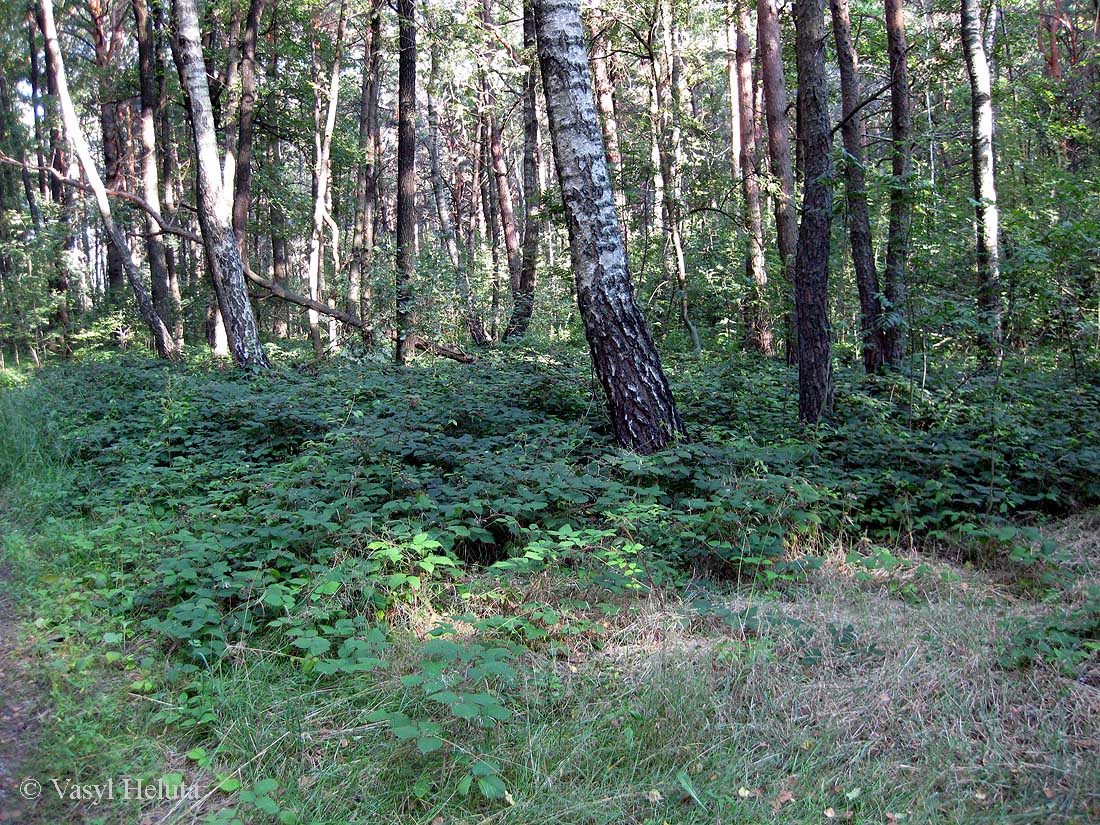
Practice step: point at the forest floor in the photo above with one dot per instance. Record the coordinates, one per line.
(307, 618)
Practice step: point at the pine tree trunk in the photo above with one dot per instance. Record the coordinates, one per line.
(852, 131)
(779, 149)
(214, 203)
(406, 180)
(811, 287)
(986, 215)
(901, 210)
(640, 403)
(242, 182)
(759, 325)
(605, 104)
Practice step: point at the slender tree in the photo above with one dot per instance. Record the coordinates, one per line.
(406, 179)
(640, 403)
(901, 210)
(811, 292)
(986, 215)
(852, 131)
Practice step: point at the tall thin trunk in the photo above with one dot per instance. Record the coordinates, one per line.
(986, 215)
(815, 362)
(280, 230)
(759, 325)
(161, 337)
(734, 116)
(532, 189)
(406, 180)
(322, 171)
(362, 239)
(36, 102)
(214, 203)
(640, 403)
(779, 148)
(154, 243)
(901, 210)
(242, 181)
(852, 131)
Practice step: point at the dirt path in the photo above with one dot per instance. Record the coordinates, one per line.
(21, 702)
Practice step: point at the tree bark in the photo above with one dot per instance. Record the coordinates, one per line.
(406, 180)
(360, 294)
(639, 400)
(901, 210)
(759, 325)
(815, 363)
(532, 190)
(214, 203)
(322, 172)
(242, 181)
(779, 148)
(986, 215)
(162, 339)
(872, 340)
(605, 104)
(163, 301)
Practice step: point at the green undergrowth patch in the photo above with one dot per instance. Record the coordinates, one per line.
(363, 593)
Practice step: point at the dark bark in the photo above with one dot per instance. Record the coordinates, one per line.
(901, 210)
(872, 339)
(406, 180)
(242, 183)
(639, 400)
(811, 292)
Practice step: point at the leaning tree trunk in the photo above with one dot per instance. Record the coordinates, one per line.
(779, 145)
(811, 285)
(855, 184)
(406, 180)
(985, 191)
(162, 338)
(901, 210)
(532, 200)
(640, 403)
(758, 329)
(222, 255)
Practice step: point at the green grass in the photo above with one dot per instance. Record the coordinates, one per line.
(650, 685)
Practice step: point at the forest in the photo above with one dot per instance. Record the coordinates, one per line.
(549, 411)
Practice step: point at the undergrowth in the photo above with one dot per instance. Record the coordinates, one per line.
(317, 577)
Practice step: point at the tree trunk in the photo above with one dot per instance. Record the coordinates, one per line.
(901, 210)
(779, 148)
(759, 325)
(360, 294)
(161, 337)
(214, 203)
(815, 362)
(322, 171)
(532, 190)
(242, 181)
(640, 403)
(166, 308)
(872, 341)
(406, 180)
(986, 215)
